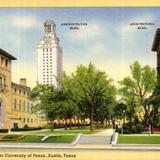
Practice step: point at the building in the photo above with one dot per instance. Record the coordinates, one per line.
(15, 105)
(49, 57)
(5, 88)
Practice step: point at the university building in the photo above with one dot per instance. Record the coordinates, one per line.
(49, 57)
(15, 105)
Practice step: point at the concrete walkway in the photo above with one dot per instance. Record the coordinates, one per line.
(100, 138)
(106, 132)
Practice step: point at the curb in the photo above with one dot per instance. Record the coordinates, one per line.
(77, 139)
(114, 138)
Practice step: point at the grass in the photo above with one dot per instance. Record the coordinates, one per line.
(30, 139)
(37, 139)
(123, 139)
(60, 139)
(56, 136)
(65, 132)
(155, 132)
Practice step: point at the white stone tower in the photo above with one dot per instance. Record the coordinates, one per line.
(49, 56)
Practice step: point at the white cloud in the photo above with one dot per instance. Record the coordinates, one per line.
(23, 21)
(97, 49)
(92, 30)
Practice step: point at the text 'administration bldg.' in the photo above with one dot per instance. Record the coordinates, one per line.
(49, 57)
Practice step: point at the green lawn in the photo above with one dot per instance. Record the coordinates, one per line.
(60, 139)
(123, 139)
(37, 139)
(64, 132)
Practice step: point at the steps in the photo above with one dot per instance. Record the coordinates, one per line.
(100, 140)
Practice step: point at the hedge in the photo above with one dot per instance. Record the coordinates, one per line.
(26, 129)
(3, 130)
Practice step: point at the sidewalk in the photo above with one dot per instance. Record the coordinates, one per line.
(106, 132)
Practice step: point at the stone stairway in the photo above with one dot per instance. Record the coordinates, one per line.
(99, 140)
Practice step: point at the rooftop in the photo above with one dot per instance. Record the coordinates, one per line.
(49, 22)
(4, 53)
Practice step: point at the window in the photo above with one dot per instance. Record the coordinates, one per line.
(20, 105)
(2, 60)
(6, 63)
(28, 120)
(19, 91)
(15, 90)
(28, 107)
(47, 49)
(48, 28)
(31, 108)
(24, 120)
(15, 105)
(24, 105)
(24, 93)
(2, 83)
(15, 125)
(50, 49)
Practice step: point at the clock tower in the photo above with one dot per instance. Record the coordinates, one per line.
(49, 57)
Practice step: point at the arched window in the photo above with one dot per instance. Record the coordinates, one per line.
(15, 105)
(24, 106)
(20, 105)
(28, 107)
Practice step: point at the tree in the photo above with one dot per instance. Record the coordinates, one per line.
(119, 110)
(47, 101)
(88, 89)
(136, 89)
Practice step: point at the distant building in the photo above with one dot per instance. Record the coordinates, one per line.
(49, 57)
(15, 105)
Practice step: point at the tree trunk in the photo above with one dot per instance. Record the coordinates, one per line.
(91, 119)
(65, 124)
(70, 124)
(103, 124)
(74, 121)
(52, 126)
(78, 121)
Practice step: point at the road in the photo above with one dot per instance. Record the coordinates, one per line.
(69, 154)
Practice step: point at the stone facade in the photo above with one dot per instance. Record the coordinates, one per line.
(15, 106)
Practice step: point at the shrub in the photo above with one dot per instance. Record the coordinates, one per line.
(131, 128)
(26, 129)
(3, 130)
(140, 128)
(25, 126)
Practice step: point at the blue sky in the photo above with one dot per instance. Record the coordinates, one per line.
(108, 40)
